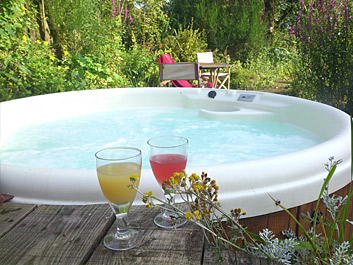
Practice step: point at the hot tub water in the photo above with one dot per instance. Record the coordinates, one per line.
(71, 143)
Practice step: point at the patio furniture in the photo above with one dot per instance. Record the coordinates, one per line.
(178, 73)
(205, 60)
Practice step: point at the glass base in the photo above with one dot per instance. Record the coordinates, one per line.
(165, 221)
(129, 240)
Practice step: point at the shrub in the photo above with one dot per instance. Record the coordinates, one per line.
(235, 26)
(262, 71)
(140, 65)
(324, 70)
(184, 45)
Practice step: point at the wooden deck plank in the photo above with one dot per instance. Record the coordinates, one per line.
(51, 234)
(183, 245)
(11, 214)
(234, 258)
(56, 235)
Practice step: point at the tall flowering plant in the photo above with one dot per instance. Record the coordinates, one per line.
(324, 37)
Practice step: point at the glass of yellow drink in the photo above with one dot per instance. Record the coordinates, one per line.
(116, 169)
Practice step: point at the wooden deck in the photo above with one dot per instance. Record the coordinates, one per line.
(57, 234)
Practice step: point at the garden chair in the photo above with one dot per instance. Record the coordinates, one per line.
(178, 73)
(207, 57)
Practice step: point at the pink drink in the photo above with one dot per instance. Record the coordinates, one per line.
(165, 165)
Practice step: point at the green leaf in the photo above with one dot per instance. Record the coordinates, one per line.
(13, 78)
(24, 69)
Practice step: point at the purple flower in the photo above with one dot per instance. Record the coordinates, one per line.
(126, 12)
(119, 11)
(298, 18)
(334, 21)
(346, 14)
(113, 12)
(130, 20)
(113, 2)
(263, 16)
(332, 2)
(294, 30)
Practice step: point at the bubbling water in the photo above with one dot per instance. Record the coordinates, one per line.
(71, 143)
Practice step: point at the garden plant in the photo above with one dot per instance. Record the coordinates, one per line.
(302, 48)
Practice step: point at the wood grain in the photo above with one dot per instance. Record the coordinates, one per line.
(56, 235)
(11, 214)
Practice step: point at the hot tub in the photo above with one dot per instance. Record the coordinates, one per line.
(294, 178)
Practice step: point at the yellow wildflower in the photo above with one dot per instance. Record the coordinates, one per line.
(133, 178)
(66, 53)
(189, 215)
(45, 42)
(38, 41)
(51, 58)
(193, 177)
(59, 66)
(196, 187)
(67, 68)
(24, 9)
(10, 84)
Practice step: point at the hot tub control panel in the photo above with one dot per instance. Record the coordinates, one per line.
(246, 97)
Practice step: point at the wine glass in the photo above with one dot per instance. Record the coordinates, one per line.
(167, 154)
(116, 167)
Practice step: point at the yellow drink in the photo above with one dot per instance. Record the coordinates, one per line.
(114, 180)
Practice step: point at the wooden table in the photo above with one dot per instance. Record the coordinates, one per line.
(214, 73)
(58, 234)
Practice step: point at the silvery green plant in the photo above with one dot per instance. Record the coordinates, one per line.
(312, 247)
(280, 250)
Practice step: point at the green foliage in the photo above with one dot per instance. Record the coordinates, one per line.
(262, 71)
(184, 45)
(141, 66)
(77, 25)
(150, 23)
(30, 66)
(236, 26)
(232, 26)
(324, 69)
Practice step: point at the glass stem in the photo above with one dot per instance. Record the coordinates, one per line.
(122, 231)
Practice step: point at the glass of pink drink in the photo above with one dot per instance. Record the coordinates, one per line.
(168, 154)
(116, 169)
